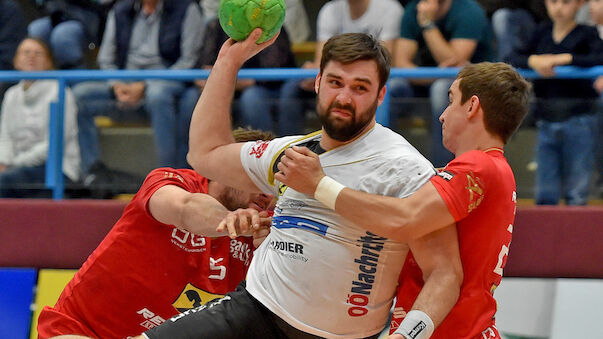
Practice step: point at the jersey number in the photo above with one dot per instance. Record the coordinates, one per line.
(214, 266)
(504, 251)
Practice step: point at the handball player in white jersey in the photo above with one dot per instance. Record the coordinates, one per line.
(317, 274)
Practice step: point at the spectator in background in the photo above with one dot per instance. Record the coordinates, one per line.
(69, 27)
(24, 126)
(296, 18)
(380, 19)
(12, 31)
(596, 16)
(142, 34)
(256, 99)
(565, 108)
(443, 33)
(513, 23)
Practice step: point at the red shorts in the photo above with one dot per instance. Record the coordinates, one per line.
(52, 323)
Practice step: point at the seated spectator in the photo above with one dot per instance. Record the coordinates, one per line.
(256, 99)
(596, 16)
(24, 126)
(12, 31)
(443, 33)
(565, 107)
(147, 34)
(69, 27)
(513, 23)
(378, 18)
(296, 19)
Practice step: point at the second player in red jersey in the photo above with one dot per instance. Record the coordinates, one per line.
(479, 189)
(147, 270)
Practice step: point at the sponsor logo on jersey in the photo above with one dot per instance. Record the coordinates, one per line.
(288, 249)
(167, 174)
(361, 289)
(445, 175)
(476, 192)
(259, 148)
(193, 297)
(188, 241)
(240, 250)
(150, 319)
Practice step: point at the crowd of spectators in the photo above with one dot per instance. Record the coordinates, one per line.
(169, 34)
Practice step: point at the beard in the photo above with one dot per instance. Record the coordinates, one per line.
(341, 130)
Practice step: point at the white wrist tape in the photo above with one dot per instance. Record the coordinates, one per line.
(327, 191)
(416, 325)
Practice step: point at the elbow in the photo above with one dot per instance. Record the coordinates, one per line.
(196, 160)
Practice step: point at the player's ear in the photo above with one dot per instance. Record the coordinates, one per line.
(474, 105)
(381, 94)
(317, 82)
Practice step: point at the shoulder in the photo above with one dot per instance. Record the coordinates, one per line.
(467, 9)
(479, 163)
(332, 7)
(390, 6)
(587, 30)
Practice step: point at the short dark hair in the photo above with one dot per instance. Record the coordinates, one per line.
(503, 94)
(349, 47)
(247, 134)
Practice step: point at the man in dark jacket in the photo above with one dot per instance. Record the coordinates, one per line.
(142, 34)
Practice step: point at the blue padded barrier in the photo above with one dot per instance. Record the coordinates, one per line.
(17, 286)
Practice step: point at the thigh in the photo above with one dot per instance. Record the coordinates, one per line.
(163, 87)
(237, 315)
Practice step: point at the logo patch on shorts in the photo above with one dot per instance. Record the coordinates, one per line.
(192, 297)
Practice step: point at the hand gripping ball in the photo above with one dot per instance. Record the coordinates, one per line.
(239, 17)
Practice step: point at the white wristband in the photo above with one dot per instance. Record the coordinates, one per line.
(416, 325)
(327, 191)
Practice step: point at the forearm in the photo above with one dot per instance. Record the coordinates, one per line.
(201, 215)
(437, 254)
(439, 294)
(440, 49)
(211, 123)
(398, 219)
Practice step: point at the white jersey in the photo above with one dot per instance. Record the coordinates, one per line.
(382, 19)
(317, 271)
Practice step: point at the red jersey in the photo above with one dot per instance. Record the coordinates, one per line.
(479, 190)
(145, 272)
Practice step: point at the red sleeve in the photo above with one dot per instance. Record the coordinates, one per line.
(186, 179)
(461, 183)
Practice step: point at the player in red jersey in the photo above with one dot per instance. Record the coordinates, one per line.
(476, 190)
(147, 269)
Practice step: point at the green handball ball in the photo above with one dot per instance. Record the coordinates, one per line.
(239, 17)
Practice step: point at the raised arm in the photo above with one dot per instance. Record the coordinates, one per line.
(212, 151)
(400, 219)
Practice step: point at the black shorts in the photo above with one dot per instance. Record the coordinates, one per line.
(237, 315)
